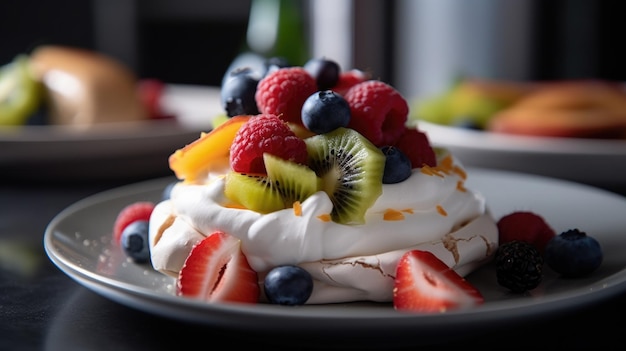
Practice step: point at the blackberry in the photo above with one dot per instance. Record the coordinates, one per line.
(519, 266)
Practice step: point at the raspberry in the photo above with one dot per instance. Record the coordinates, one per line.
(136, 211)
(525, 226)
(151, 92)
(416, 146)
(282, 93)
(265, 133)
(349, 79)
(378, 112)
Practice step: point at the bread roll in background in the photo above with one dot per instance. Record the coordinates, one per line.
(85, 87)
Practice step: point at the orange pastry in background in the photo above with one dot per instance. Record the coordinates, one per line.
(577, 109)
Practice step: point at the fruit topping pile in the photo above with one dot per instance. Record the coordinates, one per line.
(295, 131)
(347, 140)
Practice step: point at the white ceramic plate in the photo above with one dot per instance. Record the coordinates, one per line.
(590, 161)
(116, 150)
(78, 241)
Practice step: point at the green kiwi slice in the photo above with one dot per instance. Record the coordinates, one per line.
(286, 182)
(253, 191)
(20, 92)
(351, 169)
(295, 182)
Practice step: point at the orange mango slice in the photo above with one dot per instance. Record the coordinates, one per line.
(211, 150)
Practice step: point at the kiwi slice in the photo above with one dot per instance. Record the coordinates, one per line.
(20, 92)
(286, 182)
(295, 182)
(351, 169)
(253, 191)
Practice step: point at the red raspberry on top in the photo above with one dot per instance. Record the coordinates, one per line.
(378, 112)
(525, 226)
(415, 144)
(282, 93)
(349, 79)
(264, 133)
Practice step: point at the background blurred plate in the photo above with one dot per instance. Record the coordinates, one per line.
(596, 162)
(128, 151)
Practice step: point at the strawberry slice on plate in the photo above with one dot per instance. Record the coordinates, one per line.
(216, 270)
(426, 284)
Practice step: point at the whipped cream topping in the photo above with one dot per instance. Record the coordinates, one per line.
(431, 210)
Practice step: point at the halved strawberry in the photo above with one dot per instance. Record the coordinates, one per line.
(136, 211)
(217, 270)
(424, 283)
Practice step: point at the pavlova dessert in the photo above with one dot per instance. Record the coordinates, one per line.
(314, 190)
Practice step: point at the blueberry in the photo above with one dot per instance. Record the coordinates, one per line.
(573, 253)
(288, 285)
(255, 63)
(134, 241)
(397, 165)
(325, 71)
(325, 111)
(467, 122)
(276, 62)
(238, 92)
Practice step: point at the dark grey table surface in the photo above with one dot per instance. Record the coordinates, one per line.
(41, 308)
